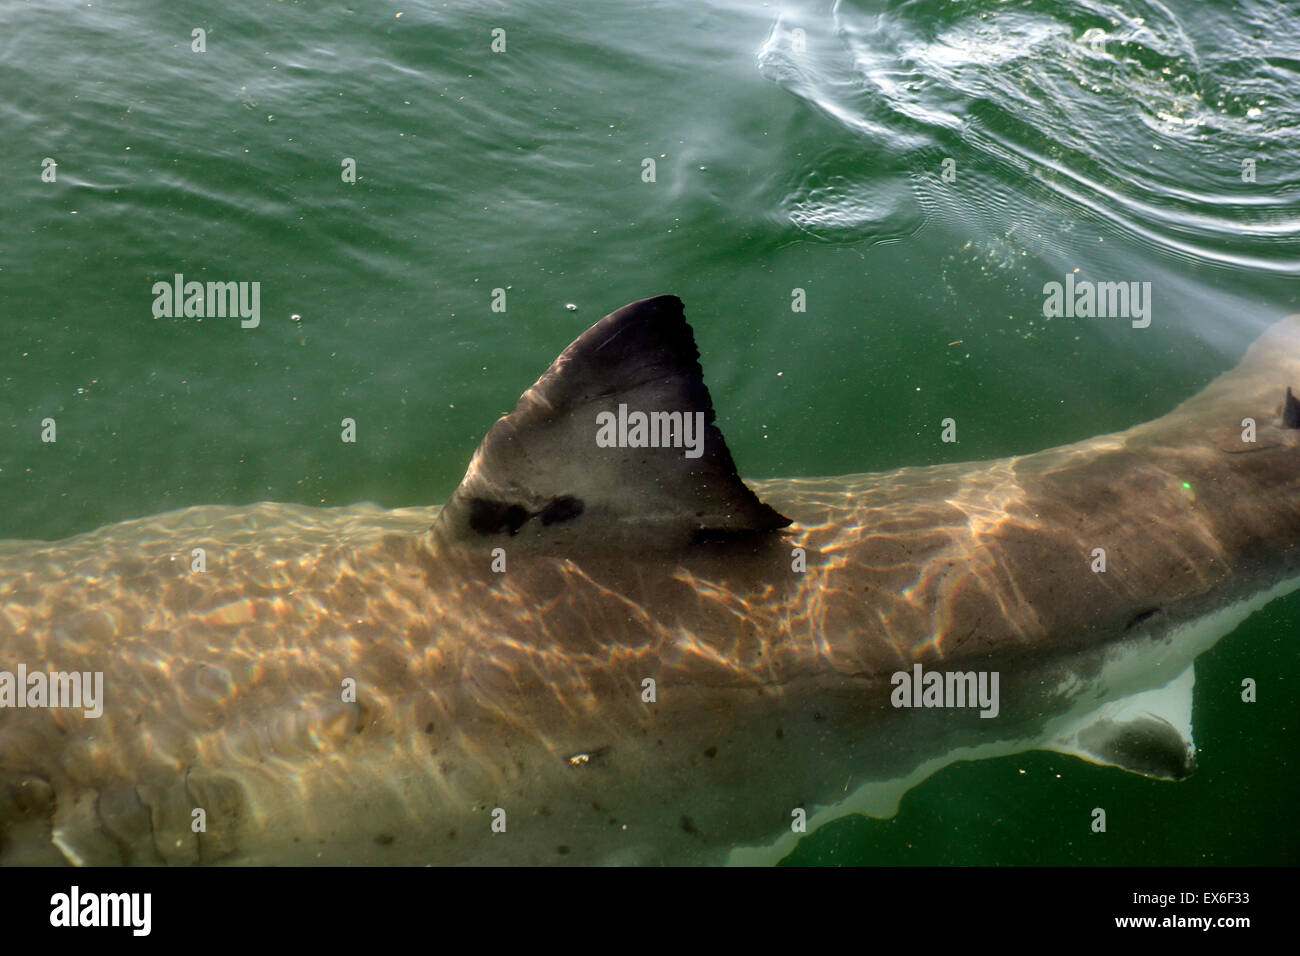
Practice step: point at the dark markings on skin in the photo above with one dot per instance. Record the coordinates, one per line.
(488, 517)
(24, 798)
(493, 517)
(565, 508)
(1290, 411)
(689, 826)
(123, 846)
(149, 819)
(1140, 617)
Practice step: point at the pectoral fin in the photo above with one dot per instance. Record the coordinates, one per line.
(1149, 733)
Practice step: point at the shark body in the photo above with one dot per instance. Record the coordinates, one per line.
(625, 654)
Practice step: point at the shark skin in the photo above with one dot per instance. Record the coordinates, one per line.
(501, 646)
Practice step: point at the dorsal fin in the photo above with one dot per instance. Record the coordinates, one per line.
(574, 465)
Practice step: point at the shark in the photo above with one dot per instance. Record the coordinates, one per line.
(608, 648)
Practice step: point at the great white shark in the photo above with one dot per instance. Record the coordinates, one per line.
(604, 649)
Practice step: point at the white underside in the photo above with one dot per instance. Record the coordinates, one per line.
(1137, 679)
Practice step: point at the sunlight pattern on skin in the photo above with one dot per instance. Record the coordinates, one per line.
(224, 686)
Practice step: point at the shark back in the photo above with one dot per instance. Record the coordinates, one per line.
(606, 647)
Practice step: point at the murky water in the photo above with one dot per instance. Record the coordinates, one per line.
(920, 169)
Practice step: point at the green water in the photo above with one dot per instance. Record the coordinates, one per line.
(1103, 137)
